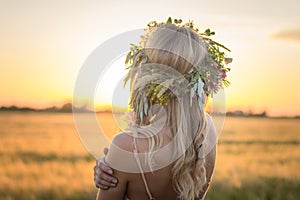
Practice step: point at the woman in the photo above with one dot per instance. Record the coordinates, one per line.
(169, 150)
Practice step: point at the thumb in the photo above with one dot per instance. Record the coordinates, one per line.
(105, 151)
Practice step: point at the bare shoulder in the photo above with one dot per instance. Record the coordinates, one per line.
(120, 155)
(208, 118)
(117, 158)
(123, 141)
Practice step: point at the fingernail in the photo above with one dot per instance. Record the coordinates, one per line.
(114, 181)
(110, 171)
(113, 185)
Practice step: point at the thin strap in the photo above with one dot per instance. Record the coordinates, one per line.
(135, 153)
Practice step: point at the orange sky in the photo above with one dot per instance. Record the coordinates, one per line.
(44, 43)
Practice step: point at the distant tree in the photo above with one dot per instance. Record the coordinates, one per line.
(66, 107)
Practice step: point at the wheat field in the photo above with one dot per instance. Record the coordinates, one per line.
(42, 157)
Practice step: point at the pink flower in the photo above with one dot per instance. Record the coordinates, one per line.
(224, 74)
(196, 96)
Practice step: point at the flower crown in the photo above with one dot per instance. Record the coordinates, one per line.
(210, 77)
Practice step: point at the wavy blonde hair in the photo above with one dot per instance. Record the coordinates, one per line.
(186, 121)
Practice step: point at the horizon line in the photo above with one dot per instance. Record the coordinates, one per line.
(68, 107)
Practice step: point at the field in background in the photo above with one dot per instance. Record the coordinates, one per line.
(42, 157)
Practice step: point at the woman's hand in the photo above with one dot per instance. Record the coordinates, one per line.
(103, 178)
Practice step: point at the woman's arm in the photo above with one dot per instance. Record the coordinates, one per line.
(117, 193)
(103, 178)
(124, 142)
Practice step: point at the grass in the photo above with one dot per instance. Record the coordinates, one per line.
(42, 157)
(265, 188)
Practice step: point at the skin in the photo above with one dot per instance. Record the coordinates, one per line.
(127, 181)
(131, 184)
(103, 174)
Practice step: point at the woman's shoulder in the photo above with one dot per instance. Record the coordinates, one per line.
(211, 126)
(123, 141)
(207, 116)
(120, 155)
(210, 137)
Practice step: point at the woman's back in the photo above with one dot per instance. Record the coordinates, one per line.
(159, 182)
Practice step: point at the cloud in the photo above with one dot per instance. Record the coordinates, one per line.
(288, 34)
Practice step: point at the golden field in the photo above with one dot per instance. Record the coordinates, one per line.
(42, 157)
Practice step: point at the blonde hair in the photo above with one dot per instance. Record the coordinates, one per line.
(181, 49)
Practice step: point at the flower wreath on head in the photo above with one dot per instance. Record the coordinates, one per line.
(208, 78)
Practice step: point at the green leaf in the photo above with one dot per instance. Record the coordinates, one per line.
(207, 32)
(169, 21)
(128, 57)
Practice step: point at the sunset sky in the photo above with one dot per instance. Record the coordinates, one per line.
(43, 44)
